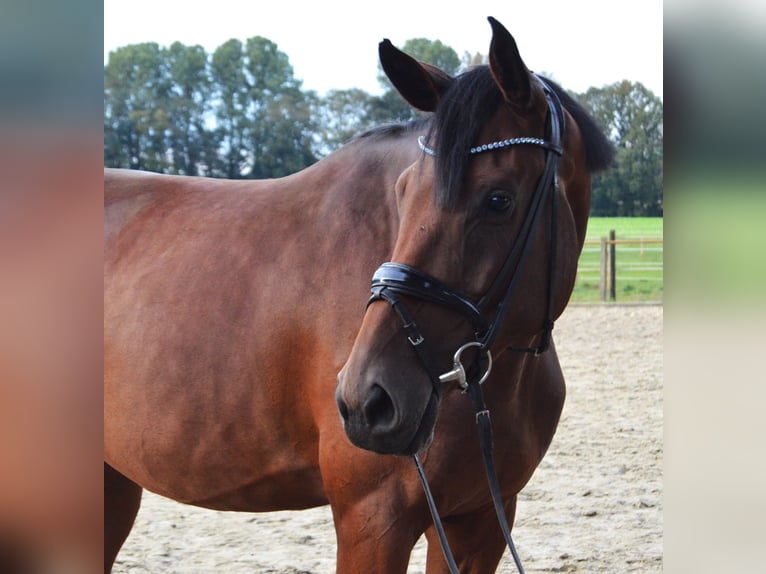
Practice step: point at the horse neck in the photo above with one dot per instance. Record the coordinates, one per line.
(359, 181)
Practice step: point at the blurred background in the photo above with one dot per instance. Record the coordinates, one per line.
(715, 86)
(51, 290)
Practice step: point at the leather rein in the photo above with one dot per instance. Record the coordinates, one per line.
(392, 280)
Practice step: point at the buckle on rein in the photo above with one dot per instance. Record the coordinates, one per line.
(458, 372)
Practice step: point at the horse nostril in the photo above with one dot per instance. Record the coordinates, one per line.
(379, 409)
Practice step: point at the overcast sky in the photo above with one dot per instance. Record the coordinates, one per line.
(332, 44)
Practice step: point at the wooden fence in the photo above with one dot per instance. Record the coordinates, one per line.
(624, 269)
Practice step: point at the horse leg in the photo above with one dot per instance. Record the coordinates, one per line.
(476, 541)
(122, 498)
(374, 542)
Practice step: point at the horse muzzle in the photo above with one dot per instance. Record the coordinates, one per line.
(379, 420)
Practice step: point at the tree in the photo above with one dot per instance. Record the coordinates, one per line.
(264, 122)
(341, 115)
(230, 90)
(631, 116)
(240, 112)
(136, 89)
(471, 60)
(191, 146)
(279, 125)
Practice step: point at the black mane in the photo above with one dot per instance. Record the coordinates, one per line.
(394, 129)
(599, 152)
(464, 110)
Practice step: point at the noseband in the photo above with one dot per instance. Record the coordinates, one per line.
(394, 279)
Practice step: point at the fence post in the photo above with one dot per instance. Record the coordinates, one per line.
(602, 281)
(612, 266)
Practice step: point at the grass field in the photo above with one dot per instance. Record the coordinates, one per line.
(639, 264)
(624, 227)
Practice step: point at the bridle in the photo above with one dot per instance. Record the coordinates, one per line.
(392, 280)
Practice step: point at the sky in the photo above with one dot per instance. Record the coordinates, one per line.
(332, 44)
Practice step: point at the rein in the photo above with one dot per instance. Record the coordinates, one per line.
(393, 279)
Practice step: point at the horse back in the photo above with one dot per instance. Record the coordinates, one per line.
(127, 193)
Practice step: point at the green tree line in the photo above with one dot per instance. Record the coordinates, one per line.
(241, 113)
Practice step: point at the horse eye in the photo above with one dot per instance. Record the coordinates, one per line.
(499, 202)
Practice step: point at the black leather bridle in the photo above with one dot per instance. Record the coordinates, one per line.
(393, 280)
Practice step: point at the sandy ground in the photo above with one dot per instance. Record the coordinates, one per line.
(594, 504)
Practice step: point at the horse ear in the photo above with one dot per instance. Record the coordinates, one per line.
(421, 84)
(509, 71)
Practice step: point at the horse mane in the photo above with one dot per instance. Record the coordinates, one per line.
(393, 130)
(468, 105)
(599, 152)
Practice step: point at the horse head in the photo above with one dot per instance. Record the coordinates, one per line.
(492, 218)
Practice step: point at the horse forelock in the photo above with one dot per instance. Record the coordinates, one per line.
(465, 108)
(468, 106)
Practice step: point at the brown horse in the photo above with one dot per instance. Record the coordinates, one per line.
(231, 307)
